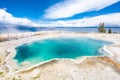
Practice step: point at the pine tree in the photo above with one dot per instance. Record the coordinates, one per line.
(110, 30)
(101, 28)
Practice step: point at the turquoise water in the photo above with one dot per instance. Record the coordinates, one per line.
(48, 49)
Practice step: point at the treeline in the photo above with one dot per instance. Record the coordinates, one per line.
(102, 29)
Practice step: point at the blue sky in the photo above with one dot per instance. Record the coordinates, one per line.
(32, 9)
(65, 13)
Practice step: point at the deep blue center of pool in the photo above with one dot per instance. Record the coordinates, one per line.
(48, 49)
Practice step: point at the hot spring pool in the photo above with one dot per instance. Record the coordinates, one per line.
(47, 49)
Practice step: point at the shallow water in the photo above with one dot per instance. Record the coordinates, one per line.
(48, 49)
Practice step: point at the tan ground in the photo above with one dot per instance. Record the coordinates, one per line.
(91, 68)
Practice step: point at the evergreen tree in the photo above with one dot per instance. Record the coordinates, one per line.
(110, 30)
(101, 28)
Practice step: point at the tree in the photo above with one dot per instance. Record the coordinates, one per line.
(101, 28)
(110, 30)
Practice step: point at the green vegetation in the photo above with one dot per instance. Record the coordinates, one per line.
(1, 73)
(0, 59)
(110, 30)
(101, 28)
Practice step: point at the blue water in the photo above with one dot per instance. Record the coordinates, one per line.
(48, 49)
(69, 29)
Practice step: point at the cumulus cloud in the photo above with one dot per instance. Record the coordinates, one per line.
(69, 8)
(108, 19)
(8, 19)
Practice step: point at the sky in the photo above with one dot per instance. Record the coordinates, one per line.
(59, 13)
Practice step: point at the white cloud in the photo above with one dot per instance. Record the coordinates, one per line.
(69, 8)
(9, 19)
(108, 19)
